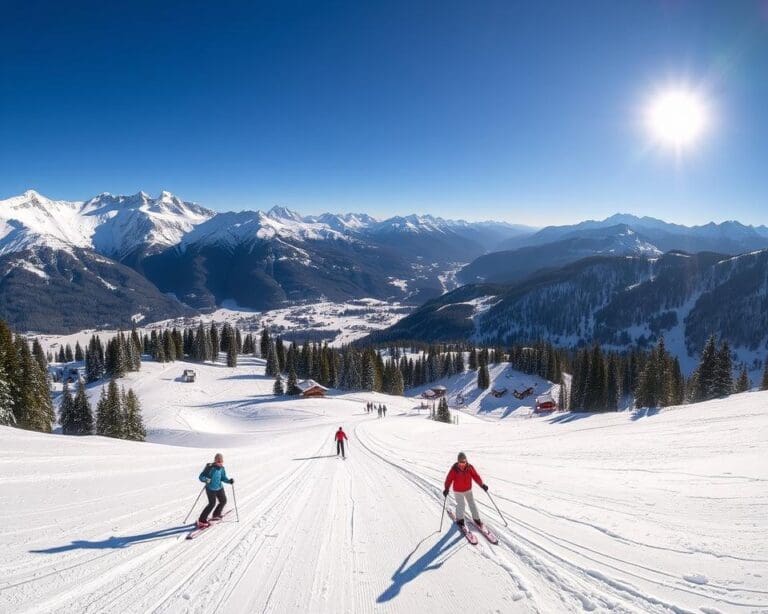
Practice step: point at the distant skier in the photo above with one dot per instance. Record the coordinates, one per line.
(379, 410)
(461, 476)
(384, 410)
(215, 476)
(340, 437)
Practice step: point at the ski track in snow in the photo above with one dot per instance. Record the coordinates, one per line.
(612, 512)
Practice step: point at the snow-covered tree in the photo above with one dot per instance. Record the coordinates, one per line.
(133, 425)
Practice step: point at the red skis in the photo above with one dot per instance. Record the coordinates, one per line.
(486, 533)
(197, 531)
(471, 537)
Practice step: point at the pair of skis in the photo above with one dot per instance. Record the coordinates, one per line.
(198, 530)
(470, 535)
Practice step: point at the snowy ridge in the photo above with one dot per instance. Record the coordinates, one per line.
(116, 226)
(111, 225)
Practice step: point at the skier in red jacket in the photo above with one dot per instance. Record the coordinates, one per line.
(340, 437)
(461, 476)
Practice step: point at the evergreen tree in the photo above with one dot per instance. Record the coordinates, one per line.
(764, 385)
(133, 424)
(109, 414)
(68, 355)
(8, 365)
(83, 423)
(67, 414)
(215, 342)
(231, 351)
(61, 356)
(280, 353)
(292, 388)
(483, 377)
(675, 386)
(443, 413)
(278, 388)
(265, 343)
(743, 384)
(32, 405)
(723, 382)
(707, 372)
(39, 354)
(271, 369)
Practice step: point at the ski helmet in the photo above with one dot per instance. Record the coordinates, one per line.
(461, 457)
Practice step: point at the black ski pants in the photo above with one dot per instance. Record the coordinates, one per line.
(213, 497)
(340, 447)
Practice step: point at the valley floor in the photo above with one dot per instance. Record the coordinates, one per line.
(627, 512)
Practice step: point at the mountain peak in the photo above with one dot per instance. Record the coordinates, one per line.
(284, 213)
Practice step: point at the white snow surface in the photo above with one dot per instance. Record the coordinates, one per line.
(624, 512)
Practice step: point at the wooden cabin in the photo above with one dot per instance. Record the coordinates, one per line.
(310, 388)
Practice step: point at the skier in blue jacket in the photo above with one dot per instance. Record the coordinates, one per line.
(214, 476)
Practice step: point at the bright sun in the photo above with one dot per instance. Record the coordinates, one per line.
(677, 118)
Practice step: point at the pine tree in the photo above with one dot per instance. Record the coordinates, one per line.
(67, 414)
(83, 424)
(764, 385)
(68, 355)
(39, 354)
(271, 369)
(232, 352)
(109, 414)
(723, 383)
(278, 387)
(79, 355)
(8, 365)
(265, 343)
(133, 424)
(292, 387)
(707, 372)
(443, 413)
(215, 343)
(32, 406)
(483, 377)
(743, 384)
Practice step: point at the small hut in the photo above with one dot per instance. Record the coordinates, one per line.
(188, 375)
(310, 388)
(438, 391)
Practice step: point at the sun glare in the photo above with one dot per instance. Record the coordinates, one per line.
(677, 118)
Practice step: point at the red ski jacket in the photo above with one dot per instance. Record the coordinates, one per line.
(462, 478)
(340, 435)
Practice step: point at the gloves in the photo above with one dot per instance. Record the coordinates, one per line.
(485, 487)
(232, 481)
(207, 480)
(445, 492)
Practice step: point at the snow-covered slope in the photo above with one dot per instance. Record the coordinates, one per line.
(653, 512)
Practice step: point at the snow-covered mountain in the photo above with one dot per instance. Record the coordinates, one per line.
(618, 301)
(729, 237)
(115, 226)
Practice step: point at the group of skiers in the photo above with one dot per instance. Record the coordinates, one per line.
(381, 409)
(460, 477)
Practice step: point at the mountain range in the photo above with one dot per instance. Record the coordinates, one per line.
(193, 258)
(68, 265)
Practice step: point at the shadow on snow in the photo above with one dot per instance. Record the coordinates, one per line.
(426, 562)
(118, 541)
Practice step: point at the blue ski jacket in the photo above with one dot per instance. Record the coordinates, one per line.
(214, 476)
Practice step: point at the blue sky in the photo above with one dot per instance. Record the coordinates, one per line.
(528, 112)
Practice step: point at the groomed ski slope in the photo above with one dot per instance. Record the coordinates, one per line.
(621, 512)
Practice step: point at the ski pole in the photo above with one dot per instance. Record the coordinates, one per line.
(234, 498)
(497, 509)
(194, 504)
(442, 516)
